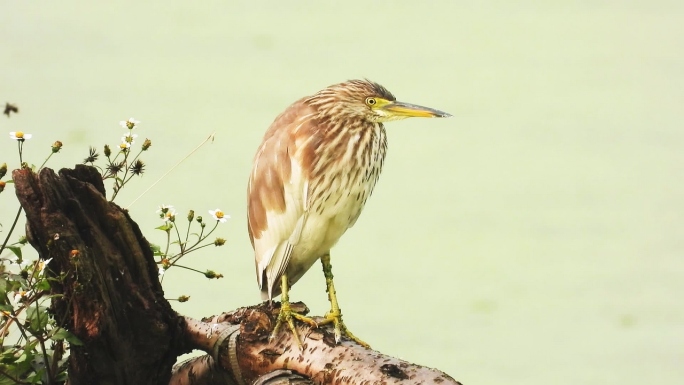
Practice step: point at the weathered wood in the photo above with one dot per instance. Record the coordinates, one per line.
(111, 296)
(320, 360)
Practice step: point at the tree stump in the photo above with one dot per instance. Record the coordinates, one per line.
(110, 297)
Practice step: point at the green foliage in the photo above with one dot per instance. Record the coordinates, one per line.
(63, 334)
(34, 349)
(187, 243)
(121, 166)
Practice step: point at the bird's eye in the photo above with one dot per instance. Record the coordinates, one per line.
(370, 101)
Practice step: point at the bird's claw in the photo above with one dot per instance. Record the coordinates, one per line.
(287, 315)
(339, 328)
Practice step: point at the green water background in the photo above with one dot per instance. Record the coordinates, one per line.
(534, 238)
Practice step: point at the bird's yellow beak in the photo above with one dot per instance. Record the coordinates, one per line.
(412, 110)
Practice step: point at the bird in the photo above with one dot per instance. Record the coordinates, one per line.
(317, 165)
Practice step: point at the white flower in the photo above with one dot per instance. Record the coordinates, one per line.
(20, 295)
(14, 259)
(164, 208)
(43, 264)
(167, 213)
(219, 215)
(129, 124)
(18, 135)
(125, 146)
(129, 138)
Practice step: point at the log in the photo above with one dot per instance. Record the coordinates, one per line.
(320, 359)
(110, 297)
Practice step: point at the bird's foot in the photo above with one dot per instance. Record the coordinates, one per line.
(287, 315)
(339, 328)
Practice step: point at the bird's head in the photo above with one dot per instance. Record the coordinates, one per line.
(368, 100)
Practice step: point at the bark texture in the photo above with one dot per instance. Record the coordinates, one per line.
(322, 361)
(111, 298)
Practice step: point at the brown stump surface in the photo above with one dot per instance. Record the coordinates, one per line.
(320, 359)
(112, 299)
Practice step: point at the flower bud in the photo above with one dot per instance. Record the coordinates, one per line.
(56, 147)
(212, 274)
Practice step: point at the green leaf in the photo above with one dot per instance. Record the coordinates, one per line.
(63, 334)
(36, 377)
(27, 356)
(43, 284)
(9, 356)
(16, 282)
(16, 370)
(37, 318)
(61, 377)
(31, 346)
(16, 250)
(165, 227)
(46, 297)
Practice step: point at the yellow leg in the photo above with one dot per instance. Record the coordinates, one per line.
(286, 314)
(334, 316)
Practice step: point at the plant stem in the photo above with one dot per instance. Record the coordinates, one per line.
(21, 147)
(41, 341)
(14, 224)
(46, 160)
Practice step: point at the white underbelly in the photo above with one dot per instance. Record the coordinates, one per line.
(336, 203)
(322, 231)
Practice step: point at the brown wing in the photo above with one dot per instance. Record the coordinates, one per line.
(276, 198)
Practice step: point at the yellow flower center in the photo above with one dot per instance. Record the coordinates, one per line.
(219, 214)
(19, 134)
(123, 146)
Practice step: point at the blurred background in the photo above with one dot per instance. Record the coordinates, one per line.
(536, 237)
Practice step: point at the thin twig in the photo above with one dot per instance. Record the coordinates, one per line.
(211, 137)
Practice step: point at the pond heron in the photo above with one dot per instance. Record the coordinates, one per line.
(315, 169)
